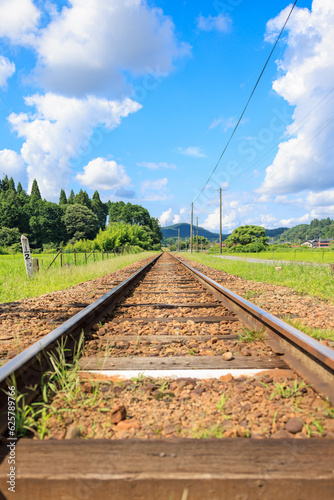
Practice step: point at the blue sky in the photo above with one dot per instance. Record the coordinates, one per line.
(138, 99)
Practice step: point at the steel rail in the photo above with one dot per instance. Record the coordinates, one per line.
(28, 366)
(313, 361)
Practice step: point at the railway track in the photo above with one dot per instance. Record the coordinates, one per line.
(169, 355)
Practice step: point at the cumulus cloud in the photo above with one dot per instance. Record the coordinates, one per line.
(90, 45)
(157, 185)
(18, 20)
(166, 217)
(294, 221)
(222, 23)
(170, 217)
(7, 69)
(57, 129)
(156, 166)
(11, 163)
(323, 199)
(305, 161)
(104, 175)
(149, 190)
(180, 216)
(193, 151)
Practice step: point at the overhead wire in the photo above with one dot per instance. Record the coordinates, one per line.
(247, 103)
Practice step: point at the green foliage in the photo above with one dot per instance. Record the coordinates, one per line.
(80, 222)
(9, 236)
(100, 210)
(121, 234)
(62, 198)
(302, 232)
(73, 219)
(246, 235)
(35, 192)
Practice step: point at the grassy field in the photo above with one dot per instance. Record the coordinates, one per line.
(299, 255)
(15, 285)
(313, 280)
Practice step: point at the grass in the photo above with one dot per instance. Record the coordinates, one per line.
(248, 335)
(215, 431)
(15, 285)
(62, 379)
(321, 255)
(305, 279)
(316, 333)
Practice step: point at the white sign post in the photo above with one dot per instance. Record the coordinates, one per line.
(27, 256)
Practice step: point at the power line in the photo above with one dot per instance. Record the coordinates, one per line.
(249, 99)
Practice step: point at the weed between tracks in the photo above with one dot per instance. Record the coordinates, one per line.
(73, 406)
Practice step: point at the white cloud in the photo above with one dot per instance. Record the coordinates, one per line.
(156, 166)
(56, 131)
(193, 151)
(89, 46)
(169, 217)
(18, 20)
(166, 218)
(180, 216)
(7, 69)
(323, 199)
(157, 185)
(305, 161)
(149, 190)
(222, 23)
(103, 174)
(294, 221)
(11, 163)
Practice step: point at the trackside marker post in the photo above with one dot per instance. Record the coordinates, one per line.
(27, 256)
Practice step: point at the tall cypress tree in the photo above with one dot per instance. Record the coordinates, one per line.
(71, 198)
(62, 198)
(99, 209)
(19, 188)
(35, 192)
(83, 199)
(11, 184)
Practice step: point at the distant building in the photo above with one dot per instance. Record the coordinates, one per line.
(317, 243)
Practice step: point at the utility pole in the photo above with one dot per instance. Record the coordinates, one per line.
(197, 235)
(178, 240)
(220, 220)
(191, 228)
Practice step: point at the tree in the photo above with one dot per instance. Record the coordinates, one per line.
(19, 188)
(99, 210)
(62, 198)
(244, 235)
(35, 192)
(9, 236)
(83, 199)
(80, 222)
(71, 198)
(11, 184)
(46, 225)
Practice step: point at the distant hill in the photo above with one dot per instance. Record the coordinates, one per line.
(273, 233)
(172, 232)
(297, 234)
